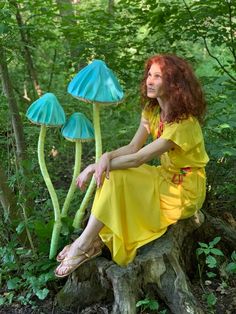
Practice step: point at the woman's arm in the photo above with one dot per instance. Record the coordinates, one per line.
(154, 149)
(103, 165)
(139, 139)
(145, 154)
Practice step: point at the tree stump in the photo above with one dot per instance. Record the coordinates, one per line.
(158, 269)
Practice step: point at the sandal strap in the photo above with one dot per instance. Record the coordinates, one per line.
(67, 259)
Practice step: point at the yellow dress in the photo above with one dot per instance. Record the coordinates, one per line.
(137, 205)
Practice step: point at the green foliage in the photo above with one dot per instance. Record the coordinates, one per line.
(149, 304)
(23, 276)
(209, 252)
(231, 267)
(212, 260)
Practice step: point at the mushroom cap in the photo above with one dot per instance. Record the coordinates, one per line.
(47, 111)
(96, 83)
(78, 128)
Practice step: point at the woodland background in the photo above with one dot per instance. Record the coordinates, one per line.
(43, 44)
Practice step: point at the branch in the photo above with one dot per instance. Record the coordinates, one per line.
(206, 45)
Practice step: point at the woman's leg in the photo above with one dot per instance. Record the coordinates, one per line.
(85, 243)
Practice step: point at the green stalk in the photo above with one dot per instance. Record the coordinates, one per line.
(27, 228)
(78, 151)
(97, 131)
(51, 190)
(80, 212)
(98, 144)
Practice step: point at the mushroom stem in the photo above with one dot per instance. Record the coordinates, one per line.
(98, 143)
(97, 130)
(51, 190)
(78, 152)
(80, 212)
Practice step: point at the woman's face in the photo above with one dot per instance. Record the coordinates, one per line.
(154, 82)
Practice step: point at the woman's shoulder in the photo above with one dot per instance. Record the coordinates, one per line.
(190, 121)
(150, 111)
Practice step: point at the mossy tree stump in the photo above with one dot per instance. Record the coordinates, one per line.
(158, 270)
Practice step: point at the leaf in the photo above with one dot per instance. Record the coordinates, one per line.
(211, 274)
(211, 261)
(203, 244)
(199, 251)
(13, 283)
(2, 300)
(233, 256)
(153, 305)
(231, 267)
(211, 299)
(20, 228)
(142, 302)
(214, 241)
(217, 252)
(42, 294)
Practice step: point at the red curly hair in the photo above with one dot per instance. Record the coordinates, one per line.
(184, 93)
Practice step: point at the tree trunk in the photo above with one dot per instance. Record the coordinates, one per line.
(111, 5)
(7, 197)
(68, 18)
(21, 150)
(15, 115)
(158, 271)
(27, 54)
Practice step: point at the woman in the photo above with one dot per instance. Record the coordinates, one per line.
(135, 203)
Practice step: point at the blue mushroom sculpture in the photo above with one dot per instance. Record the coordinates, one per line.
(77, 129)
(47, 112)
(95, 84)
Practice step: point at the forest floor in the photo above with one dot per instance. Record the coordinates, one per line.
(226, 303)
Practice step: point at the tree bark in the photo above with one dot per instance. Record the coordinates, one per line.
(7, 197)
(21, 149)
(15, 115)
(27, 54)
(68, 18)
(157, 271)
(111, 5)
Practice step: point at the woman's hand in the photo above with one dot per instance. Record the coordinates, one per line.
(101, 167)
(84, 177)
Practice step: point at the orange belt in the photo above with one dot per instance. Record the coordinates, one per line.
(179, 177)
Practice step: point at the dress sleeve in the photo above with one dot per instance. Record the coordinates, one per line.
(185, 133)
(145, 120)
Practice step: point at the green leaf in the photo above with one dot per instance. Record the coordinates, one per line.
(211, 274)
(211, 261)
(214, 241)
(216, 252)
(20, 228)
(13, 283)
(203, 244)
(2, 300)
(199, 251)
(42, 294)
(233, 256)
(142, 302)
(211, 299)
(231, 267)
(153, 305)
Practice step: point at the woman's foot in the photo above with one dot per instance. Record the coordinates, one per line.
(76, 255)
(63, 253)
(60, 257)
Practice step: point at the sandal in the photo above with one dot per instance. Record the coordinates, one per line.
(73, 267)
(61, 256)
